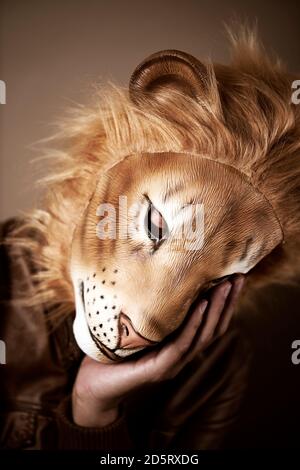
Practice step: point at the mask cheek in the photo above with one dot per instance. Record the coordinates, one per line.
(82, 334)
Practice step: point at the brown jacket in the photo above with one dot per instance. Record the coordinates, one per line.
(192, 411)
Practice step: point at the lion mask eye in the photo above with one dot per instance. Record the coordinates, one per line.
(156, 226)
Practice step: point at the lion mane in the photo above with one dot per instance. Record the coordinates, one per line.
(245, 118)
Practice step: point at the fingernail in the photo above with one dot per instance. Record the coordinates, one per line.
(203, 305)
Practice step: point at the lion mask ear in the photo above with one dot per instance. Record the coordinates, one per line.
(173, 70)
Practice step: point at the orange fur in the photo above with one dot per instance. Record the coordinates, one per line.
(245, 120)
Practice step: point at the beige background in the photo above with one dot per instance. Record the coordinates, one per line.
(51, 52)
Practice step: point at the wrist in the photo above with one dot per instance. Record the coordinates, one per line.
(89, 415)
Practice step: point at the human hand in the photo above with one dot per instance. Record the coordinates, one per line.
(100, 388)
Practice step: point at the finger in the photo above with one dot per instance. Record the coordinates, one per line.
(182, 341)
(217, 303)
(237, 286)
(169, 356)
(224, 319)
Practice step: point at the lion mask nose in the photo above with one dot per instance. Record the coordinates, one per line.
(129, 338)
